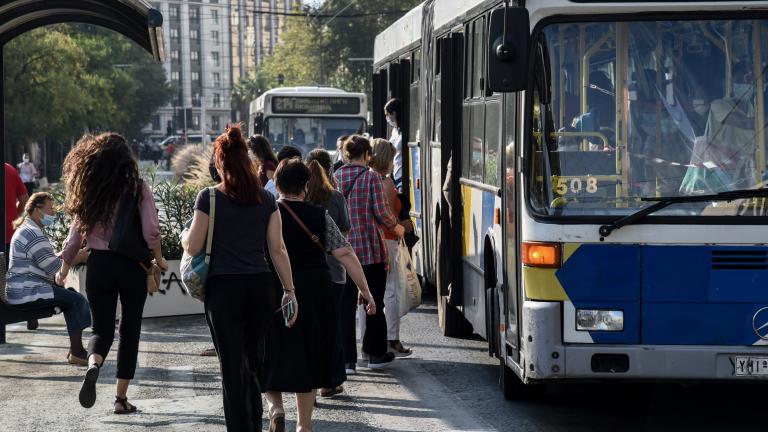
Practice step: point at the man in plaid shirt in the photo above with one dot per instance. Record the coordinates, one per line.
(368, 211)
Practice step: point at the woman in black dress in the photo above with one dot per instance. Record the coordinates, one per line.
(298, 359)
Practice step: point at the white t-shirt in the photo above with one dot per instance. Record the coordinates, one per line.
(397, 174)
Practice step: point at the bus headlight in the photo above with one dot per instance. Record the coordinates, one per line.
(599, 320)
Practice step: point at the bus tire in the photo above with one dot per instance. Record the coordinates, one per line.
(451, 320)
(513, 388)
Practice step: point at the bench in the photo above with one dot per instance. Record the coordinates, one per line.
(11, 314)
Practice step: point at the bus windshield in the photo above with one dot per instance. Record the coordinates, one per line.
(308, 133)
(626, 110)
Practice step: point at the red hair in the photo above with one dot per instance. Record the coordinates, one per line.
(240, 181)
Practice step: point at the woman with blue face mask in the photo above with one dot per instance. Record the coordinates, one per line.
(33, 266)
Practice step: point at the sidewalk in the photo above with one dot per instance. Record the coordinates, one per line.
(177, 389)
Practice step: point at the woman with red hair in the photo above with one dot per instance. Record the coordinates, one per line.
(239, 295)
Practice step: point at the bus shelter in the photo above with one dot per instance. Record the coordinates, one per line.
(136, 19)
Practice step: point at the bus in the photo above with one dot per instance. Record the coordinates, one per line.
(308, 117)
(589, 179)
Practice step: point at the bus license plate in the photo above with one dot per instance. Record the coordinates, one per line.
(751, 366)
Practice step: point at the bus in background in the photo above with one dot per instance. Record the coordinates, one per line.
(603, 217)
(308, 117)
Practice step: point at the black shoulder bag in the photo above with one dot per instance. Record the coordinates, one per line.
(127, 236)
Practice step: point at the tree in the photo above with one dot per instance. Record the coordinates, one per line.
(63, 80)
(317, 49)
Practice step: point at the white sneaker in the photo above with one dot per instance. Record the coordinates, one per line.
(381, 362)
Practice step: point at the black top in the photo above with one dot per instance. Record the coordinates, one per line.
(302, 251)
(239, 233)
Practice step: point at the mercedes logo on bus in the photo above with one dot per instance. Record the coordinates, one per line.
(760, 323)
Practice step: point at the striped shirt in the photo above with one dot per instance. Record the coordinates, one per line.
(368, 209)
(33, 265)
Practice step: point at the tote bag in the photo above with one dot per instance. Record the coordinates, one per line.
(194, 269)
(408, 283)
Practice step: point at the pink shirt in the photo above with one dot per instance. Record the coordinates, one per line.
(98, 238)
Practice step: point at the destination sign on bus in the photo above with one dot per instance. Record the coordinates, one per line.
(315, 105)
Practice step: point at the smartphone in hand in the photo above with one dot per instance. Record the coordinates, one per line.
(288, 314)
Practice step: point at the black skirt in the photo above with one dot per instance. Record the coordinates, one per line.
(301, 358)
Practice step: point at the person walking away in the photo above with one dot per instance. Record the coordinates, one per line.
(382, 162)
(261, 150)
(28, 172)
(299, 359)
(368, 209)
(16, 197)
(320, 191)
(99, 173)
(170, 149)
(240, 299)
(33, 267)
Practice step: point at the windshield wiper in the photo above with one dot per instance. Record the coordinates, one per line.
(661, 202)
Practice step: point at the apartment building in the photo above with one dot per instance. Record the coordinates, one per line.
(256, 29)
(198, 65)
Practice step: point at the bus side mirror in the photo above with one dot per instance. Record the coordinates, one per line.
(258, 124)
(508, 49)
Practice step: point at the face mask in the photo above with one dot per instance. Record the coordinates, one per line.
(48, 220)
(25, 159)
(391, 121)
(700, 107)
(743, 91)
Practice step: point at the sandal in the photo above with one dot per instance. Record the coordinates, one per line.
(88, 388)
(331, 392)
(76, 361)
(277, 423)
(122, 406)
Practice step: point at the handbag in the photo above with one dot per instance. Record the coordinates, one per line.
(128, 240)
(194, 269)
(315, 239)
(409, 286)
(153, 277)
(127, 237)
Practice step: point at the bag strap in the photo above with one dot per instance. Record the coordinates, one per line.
(209, 240)
(354, 182)
(315, 239)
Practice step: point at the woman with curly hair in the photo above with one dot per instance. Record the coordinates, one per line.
(99, 173)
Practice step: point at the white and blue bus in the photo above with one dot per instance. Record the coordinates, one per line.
(604, 214)
(308, 117)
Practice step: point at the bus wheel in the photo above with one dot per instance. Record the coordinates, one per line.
(513, 388)
(451, 320)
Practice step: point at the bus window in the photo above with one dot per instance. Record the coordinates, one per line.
(492, 142)
(648, 109)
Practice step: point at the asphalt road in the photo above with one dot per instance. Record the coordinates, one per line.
(447, 385)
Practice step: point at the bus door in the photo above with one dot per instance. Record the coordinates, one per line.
(510, 228)
(413, 187)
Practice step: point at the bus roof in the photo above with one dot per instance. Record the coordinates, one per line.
(406, 31)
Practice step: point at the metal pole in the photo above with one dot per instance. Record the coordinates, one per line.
(2, 140)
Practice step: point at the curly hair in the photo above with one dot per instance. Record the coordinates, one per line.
(97, 173)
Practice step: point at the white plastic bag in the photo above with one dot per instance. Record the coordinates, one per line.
(410, 288)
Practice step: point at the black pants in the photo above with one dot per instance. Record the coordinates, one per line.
(375, 337)
(348, 329)
(108, 276)
(239, 311)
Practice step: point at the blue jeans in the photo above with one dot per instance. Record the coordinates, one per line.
(75, 307)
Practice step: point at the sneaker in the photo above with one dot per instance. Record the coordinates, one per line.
(351, 368)
(396, 347)
(381, 362)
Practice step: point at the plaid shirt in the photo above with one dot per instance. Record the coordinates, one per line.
(368, 209)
